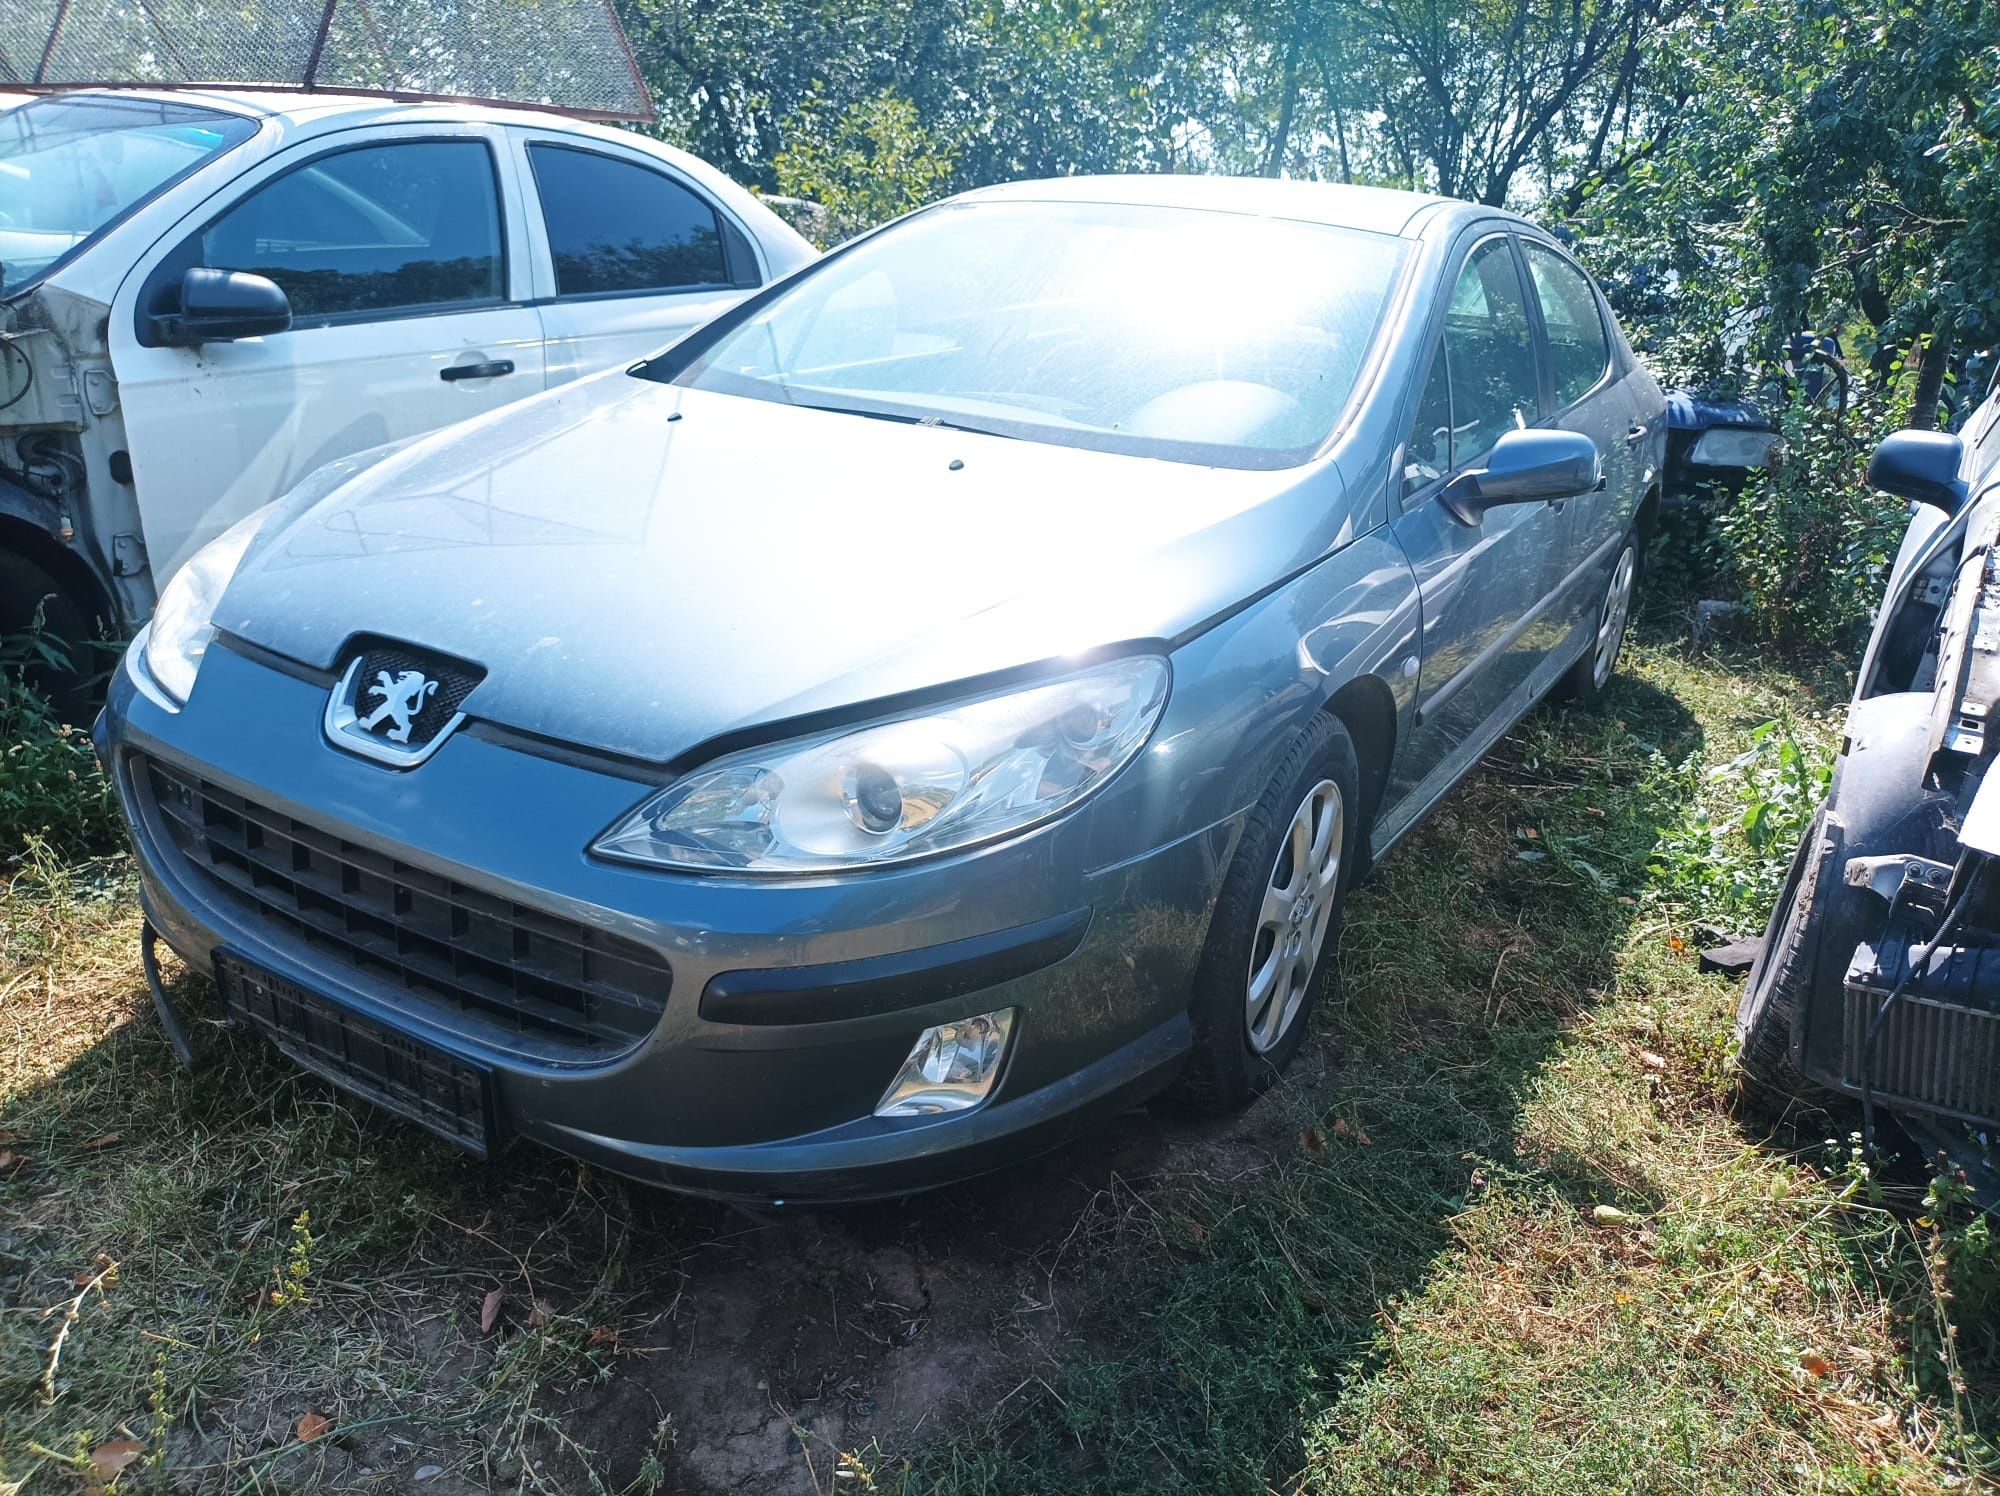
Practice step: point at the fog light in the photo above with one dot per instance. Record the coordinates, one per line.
(951, 1068)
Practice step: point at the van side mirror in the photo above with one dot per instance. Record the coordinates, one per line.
(1920, 465)
(1523, 467)
(219, 306)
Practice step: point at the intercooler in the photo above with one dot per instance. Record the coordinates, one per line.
(1938, 1050)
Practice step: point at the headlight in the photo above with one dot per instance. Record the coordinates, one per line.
(905, 788)
(1724, 447)
(182, 624)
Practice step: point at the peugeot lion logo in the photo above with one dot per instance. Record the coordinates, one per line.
(403, 696)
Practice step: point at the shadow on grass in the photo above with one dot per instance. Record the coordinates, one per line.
(1164, 1305)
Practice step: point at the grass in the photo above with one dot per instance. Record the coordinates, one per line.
(1506, 1229)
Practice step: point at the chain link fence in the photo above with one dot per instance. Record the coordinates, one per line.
(560, 54)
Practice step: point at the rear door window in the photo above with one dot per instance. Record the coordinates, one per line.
(1579, 349)
(618, 227)
(376, 230)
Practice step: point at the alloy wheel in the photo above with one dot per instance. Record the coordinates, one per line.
(1299, 898)
(1612, 620)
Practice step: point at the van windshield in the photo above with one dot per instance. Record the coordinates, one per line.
(69, 167)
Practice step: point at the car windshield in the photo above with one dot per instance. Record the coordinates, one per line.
(70, 166)
(1188, 334)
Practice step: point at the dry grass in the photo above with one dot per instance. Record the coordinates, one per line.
(1505, 1229)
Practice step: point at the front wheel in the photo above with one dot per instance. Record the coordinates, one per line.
(1276, 920)
(35, 607)
(1590, 678)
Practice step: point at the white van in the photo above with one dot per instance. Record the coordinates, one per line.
(205, 295)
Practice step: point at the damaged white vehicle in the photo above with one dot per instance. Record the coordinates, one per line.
(1880, 975)
(205, 295)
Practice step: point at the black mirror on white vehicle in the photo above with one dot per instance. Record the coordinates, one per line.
(1920, 465)
(1524, 467)
(218, 306)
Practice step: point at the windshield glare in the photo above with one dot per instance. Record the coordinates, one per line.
(1188, 334)
(69, 166)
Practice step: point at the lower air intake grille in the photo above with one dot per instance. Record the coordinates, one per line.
(557, 984)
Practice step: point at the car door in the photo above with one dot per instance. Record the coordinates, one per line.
(631, 256)
(400, 253)
(1484, 588)
(1588, 398)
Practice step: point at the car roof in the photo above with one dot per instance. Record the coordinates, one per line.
(1380, 210)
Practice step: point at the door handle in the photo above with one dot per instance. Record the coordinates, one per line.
(491, 370)
(1634, 435)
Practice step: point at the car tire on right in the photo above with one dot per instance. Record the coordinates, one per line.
(1276, 921)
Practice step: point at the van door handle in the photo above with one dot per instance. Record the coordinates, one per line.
(1634, 435)
(492, 370)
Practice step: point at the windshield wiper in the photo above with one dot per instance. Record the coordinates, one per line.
(903, 417)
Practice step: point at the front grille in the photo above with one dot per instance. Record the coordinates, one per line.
(557, 984)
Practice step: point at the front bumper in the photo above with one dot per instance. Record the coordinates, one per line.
(791, 1004)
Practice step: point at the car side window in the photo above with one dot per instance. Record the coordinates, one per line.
(1495, 386)
(381, 228)
(617, 226)
(1427, 453)
(1579, 349)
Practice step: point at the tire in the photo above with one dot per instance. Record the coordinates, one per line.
(1589, 679)
(1781, 980)
(26, 592)
(1243, 1043)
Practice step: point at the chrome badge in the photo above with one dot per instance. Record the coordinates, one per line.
(402, 697)
(396, 704)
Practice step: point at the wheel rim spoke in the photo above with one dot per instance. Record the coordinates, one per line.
(1295, 915)
(1263, 983)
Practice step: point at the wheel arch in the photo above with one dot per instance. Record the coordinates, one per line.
(1366, 707)
(1647, 521)
(30, 528)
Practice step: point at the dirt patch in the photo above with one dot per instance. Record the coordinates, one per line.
(791, 1338)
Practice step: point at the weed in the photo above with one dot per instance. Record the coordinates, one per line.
(52, 793)
(1726, 858)
(1808, 542)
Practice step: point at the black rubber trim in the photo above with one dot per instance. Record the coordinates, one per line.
(836, 990)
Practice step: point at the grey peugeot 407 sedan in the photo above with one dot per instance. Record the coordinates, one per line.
(946, 698)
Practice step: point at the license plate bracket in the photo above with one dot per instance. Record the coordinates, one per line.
(425, 1085)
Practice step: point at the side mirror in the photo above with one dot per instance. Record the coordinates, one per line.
(1920, 465)
(218, 306)
(1523, 467)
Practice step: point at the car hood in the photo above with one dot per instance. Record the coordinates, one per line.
(641, 568)
(1691, 410)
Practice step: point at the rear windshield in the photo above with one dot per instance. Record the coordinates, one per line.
(1197, 336)
(70, 167)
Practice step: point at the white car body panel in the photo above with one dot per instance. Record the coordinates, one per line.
(213, 432)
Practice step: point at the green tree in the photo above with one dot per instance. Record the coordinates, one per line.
(869, 163)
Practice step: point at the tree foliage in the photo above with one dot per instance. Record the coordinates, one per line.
(1735, 169)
